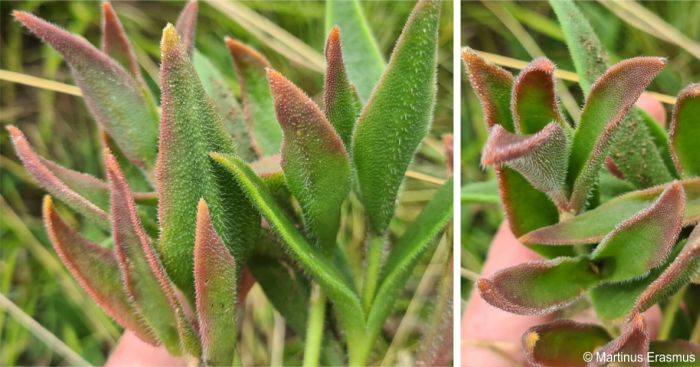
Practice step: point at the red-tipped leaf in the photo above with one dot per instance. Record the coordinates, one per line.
(340, 101)
(115, 42)
(186, 25)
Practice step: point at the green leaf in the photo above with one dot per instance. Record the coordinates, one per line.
(685, 131)
(408, 252)
(190, 129)
(609, 100)
(660, 138)
(85, 194)
(590, 59)
(143, 275)
(592, 226)
(186, 25)
(493, 85)
(562, 343)
(214, 83)
(216, 285)
(339, 291)
(258, 106)
(340, 100)
(539, 287)
(315, 163)
(96, 270)
(649, 235)
(397, 116)
(363, 58)
(541, 158)
(526, 208)
(113, 97)
(116, 44)
(534, 100)
(480, 193)
(683, 348)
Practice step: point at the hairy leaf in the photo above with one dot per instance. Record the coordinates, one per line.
(214, 83)
(534, 101)
(539, 287)
(634, 341)
(190, 129)
(397, 116)
(346, 301)
(96, 270)
(541, 158)
(526, 208)
(111, 94)
(364, 61)
(685, 131)
(592, 226)
(562, 343)
(258, 106)
(144, 278)
(407, 253)
(186, 25)
(649, 235)
(315, 163)
(216, 286)
(681, 271)
(340, 100)
(609, 100)
(116, 44)
(63, 183)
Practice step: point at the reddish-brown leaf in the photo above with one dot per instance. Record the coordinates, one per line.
(186, 25)
(115, 42)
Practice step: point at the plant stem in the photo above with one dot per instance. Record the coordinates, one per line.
(375, 247)
(670, 314)
(314, 330)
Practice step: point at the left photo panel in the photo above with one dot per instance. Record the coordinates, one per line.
(224, 183)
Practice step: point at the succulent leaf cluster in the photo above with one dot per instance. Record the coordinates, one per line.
(623, 254)
(256, 184)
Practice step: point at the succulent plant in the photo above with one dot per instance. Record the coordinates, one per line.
(619, 242)
(256, 187)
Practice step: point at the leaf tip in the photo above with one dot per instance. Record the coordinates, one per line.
(530, 340)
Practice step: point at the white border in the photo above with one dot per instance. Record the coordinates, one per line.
(457, 170)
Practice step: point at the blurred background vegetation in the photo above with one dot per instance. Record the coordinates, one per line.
(60, 128)
(527, 30)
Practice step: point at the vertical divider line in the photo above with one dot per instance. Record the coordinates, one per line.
(457, 171)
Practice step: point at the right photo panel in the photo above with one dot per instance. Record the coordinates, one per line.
(580, 199)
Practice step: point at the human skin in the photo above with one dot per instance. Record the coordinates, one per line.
(491, 336)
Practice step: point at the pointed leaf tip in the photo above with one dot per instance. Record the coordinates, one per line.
(186, 25)
(216, 288)
(340, 100)
(115, 42)
(650, 235)
(493, 85)
(96, 270)
(48, 175)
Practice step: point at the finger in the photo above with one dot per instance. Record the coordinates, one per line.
(132, 351)
(653, 107)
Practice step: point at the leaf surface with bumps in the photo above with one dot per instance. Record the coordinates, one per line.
(315, 164)
(340, 100)
(397, 116)
(190, 129)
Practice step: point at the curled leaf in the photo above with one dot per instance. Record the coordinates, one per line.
(541, 158)
(592, 226)
(144, 278)
(608, 102)
(111, 94)
(364, 60)
(115, 43)
(562, 343)
(539, 287)
(62, 182)
(258, 105)
(96, 270)
(493, 85)
(190, 129)
(534, 101)
(649, 235)
(216, 286)
(315, 163)
(186, 25)
(685, 131)
(397, 116)
(633, 343)
(340, 101)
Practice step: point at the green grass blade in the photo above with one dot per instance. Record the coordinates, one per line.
(397, 116)
(480, 193)
(363, 59)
